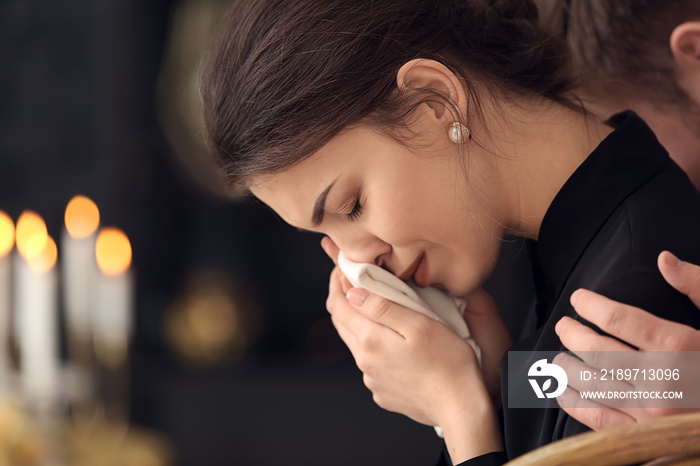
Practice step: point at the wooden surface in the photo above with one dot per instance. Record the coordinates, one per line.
(672, 436)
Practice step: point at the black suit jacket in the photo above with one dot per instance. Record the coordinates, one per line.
(604, 230)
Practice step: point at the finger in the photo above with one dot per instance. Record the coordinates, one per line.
(481, 312)
(355, 345)
(345, 284)
(481, 303)
(591, 414)
(330, 248)
(367, 340)
(491, 335)
(577, 337)
(345, 334)
(361, 335)
(584, 378)
(352, 318)
(335, 290)
(339, 283)
(683, 276)
(387, 313)
(631, 324)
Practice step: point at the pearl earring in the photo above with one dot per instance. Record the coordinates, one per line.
(459, 133)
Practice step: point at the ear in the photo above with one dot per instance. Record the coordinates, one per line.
(685, 48)
(434, 76)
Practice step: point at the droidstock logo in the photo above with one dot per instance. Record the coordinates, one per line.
(542, 370)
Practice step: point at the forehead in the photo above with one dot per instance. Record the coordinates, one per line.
(293, 192)
(288, 193)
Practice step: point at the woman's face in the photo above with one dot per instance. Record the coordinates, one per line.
(410, 209)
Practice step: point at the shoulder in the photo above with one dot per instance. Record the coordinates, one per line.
(644, 287)
(664, 213)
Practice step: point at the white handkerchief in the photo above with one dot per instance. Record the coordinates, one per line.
(429, 301)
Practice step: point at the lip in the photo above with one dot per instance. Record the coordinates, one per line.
(417, 270)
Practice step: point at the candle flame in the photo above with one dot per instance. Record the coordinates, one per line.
(31, 234)
(35, 246)
(113, 251)
(7, 234)
(82, 217)
(43, 260)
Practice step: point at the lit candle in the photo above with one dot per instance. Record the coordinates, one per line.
(78, 271)
(112, 320)
(31, 235)
(114, 294)
(7, 242)
(37, 312)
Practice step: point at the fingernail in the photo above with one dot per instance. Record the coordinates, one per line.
(671, 260)
(557, 327)
(324, 243)
(574, 297)
(357, 296)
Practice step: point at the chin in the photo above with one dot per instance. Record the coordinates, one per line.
(460, 289)
(456, 291)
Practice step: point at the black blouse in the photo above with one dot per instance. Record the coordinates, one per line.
(604, 230)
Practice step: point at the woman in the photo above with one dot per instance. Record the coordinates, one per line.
(415, 137)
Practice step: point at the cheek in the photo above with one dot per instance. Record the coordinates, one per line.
(399, 215)
(470, 271)
(473, 256)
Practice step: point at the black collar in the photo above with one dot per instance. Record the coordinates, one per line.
(623, 161)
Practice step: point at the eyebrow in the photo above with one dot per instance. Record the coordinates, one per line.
(319, 206)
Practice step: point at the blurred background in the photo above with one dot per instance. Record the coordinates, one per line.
(233, 357)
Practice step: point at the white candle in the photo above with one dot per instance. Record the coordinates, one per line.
(113, 306)
(37, 313)
(78, 265)
(112, 322)
(31, 234)
(7, 241)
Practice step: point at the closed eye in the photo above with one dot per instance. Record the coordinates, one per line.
(356, 211)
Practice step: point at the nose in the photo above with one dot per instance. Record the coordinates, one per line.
(364, 248)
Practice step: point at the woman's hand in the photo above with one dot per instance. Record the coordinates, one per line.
(634, 326)
(415, 366)
(491, 335)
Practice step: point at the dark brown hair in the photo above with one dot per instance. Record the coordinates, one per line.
(620, 48)
(282, 77)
